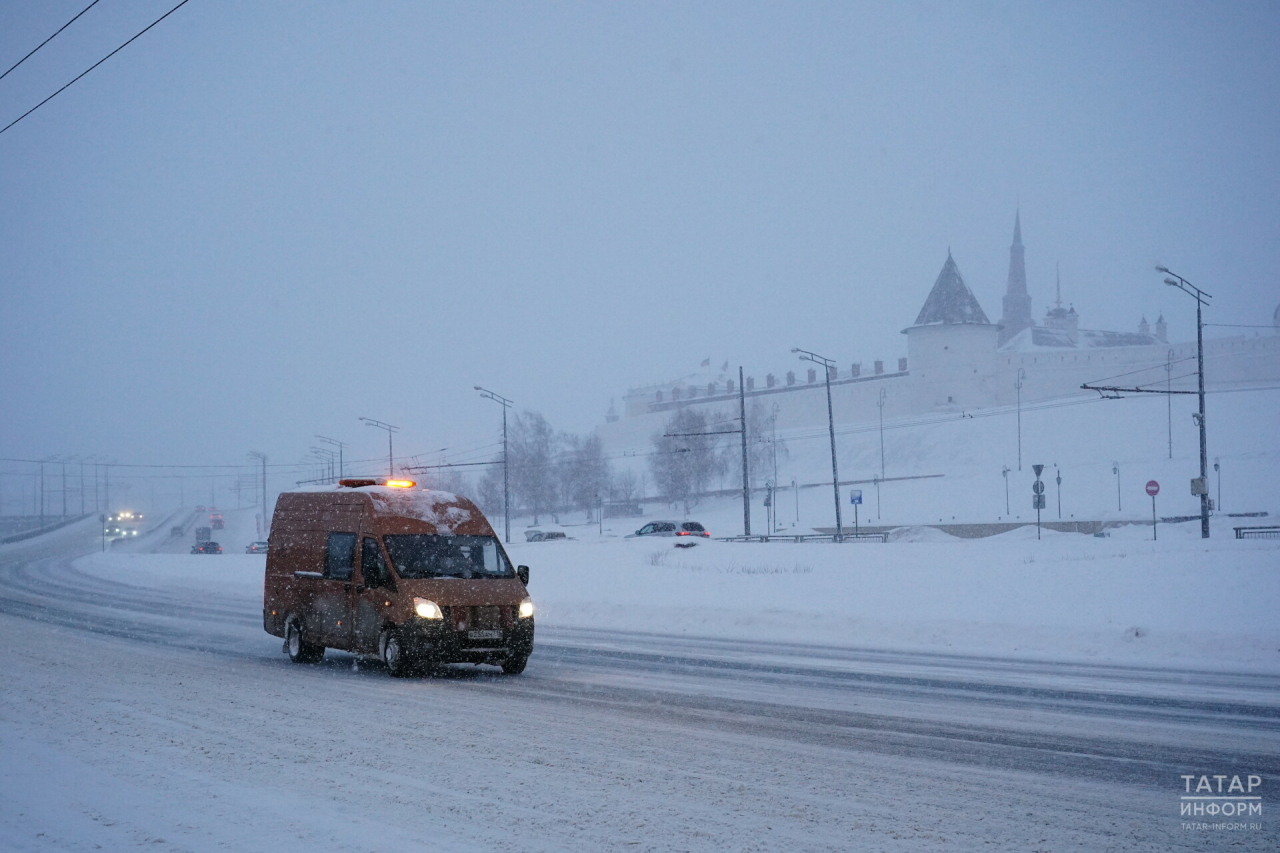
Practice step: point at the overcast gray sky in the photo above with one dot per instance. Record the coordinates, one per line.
(261, 221)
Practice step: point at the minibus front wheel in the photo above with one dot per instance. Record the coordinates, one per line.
(300, 651)
(394, 654)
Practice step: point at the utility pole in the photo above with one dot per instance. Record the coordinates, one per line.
(746, 482)
(391, 459)
(880, 404)
(827, 367)
(1017, 384)
(340, 445)
(1201, 486)
(262, 457)
(1168, 399)
(1218, 476)
(773, 525)
(506, 490)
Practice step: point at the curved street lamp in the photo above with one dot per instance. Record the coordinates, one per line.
(827, 367)
(1202, 299)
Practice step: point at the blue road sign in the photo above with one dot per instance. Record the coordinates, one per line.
(855, 496)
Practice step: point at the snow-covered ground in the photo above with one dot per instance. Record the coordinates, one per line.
(1004, 693)
(1179, 601)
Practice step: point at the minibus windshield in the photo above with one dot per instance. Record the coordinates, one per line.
(430, 555)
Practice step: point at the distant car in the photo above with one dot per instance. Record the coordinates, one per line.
(256, 548)
(200, 508)
(672, 528)
(206, 548)
(543, 536)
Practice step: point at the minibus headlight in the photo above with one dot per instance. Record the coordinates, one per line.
(427, 609)
(526, 608)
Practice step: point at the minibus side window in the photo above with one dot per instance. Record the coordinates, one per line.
(372, 564)
(340, 556)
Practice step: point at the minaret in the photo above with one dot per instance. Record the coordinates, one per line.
(1017, 303)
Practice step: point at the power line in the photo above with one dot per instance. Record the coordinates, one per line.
(93, 66)
(49, 39)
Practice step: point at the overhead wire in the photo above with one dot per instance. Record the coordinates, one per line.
(49, 39)
(94, 65)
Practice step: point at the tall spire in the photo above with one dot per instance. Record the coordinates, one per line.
(1017, 304)
(1057, 285)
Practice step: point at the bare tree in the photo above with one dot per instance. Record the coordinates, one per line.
(761, 444)
(584, 472)
(489, 490)
(685, 458)
(532, 446)
(625, 486)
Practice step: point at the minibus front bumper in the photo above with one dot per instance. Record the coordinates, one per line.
(437, 640)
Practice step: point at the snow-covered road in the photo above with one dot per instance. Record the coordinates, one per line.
(161, 716)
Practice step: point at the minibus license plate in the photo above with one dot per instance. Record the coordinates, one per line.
(484, 635)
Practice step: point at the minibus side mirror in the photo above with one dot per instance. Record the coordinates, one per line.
(522, 572)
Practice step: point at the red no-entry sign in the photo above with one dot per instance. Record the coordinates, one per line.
(1153, 488)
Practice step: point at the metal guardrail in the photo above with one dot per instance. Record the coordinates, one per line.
(48, 528)
(1257, 532)
(808, 537)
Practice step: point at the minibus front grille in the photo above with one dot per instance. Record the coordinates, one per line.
(481, 617)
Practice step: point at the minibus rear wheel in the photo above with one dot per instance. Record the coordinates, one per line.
(300, 651)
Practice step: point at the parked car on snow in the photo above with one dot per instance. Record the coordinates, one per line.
(256, 548)
(206, 548)
(671, 528)
(543, 535)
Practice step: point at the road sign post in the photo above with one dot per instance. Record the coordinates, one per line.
(1153, 489)
(855, 498)
(1037, 489)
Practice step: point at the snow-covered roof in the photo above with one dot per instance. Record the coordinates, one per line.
(1040, 337)
(442, 509)
(951, 300)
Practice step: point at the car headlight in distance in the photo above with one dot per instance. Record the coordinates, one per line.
(427, 609)
(526, 608)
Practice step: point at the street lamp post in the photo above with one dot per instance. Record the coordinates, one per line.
(827, 367)
(1058, 477)
(1201, 298)
(340, 445)
(1017, 385)
(391, 459)
(327, 457)
(1115, 469)
(506, 498)
(1005, 471)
